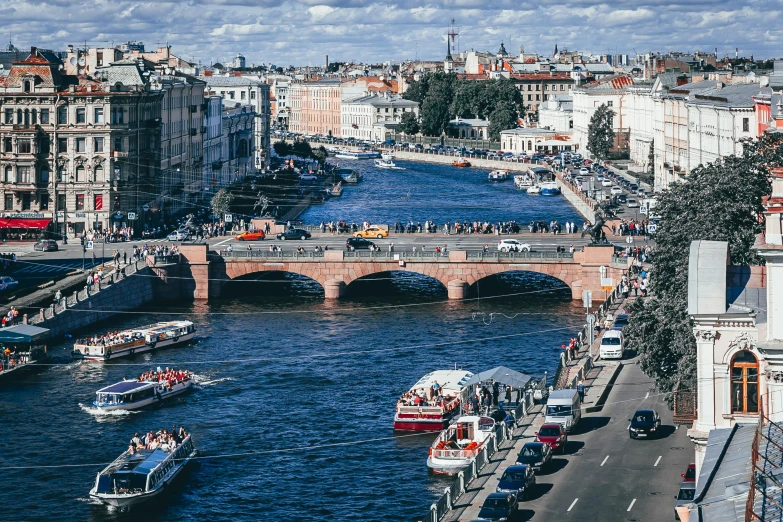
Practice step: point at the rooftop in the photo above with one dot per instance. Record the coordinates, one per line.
(738, 95)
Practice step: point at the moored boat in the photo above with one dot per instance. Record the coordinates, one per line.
(523, 181)
(386, 164)
(337, 190)
(426, 407)
(549, 188)
(459, 444)
(462, 162)
(353, 177)
(535, 189)
(128, 342)
(150, 388)
(22, 350)
(347, 154)
(387, 155)
(498, 175)
(143, 471)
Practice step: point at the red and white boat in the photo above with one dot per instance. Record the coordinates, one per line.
(459, 444)
(423, 409)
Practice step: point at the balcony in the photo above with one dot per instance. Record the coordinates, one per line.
(193, 132)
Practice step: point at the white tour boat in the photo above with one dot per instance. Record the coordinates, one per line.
(387, 164)
(498, 175)
(535, 189)
(523, 181)
(139, 476)
(132, 395)
(549, 188)
(459, 444)
(138, 340)
(387, 155)
(416, 413)
(347, 154)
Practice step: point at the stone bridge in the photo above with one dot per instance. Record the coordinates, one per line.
(203, 273)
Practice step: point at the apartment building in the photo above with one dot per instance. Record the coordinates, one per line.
(360, 117)
(315, 107)
(537, 87)
(614, 93)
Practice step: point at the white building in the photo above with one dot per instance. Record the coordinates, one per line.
(246, 91)
(641, 110)
(718, 119)
(611, 91)
(557, 113)
(534, 140)
(359, 116)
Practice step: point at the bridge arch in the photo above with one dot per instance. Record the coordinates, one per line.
(268, 283)
(518, 282)
(414, 282)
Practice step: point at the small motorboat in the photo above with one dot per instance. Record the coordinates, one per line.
(462, 162)
(387, 155)
(414, 412)
(459, 444)
(353, 177)
(549, 188)
(535, 189)
(523, 181)
(386, 164)
(141, 474)
(336, 191)
(498, 175)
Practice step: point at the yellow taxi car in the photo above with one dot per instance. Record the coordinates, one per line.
(250, 235)
(372, 232)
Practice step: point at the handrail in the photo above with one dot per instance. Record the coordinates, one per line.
(397, 255)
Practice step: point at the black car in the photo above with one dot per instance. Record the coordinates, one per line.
(358, 243)
(499, 506)
(46, 245)
(622, 198)
(517, 479)
(537, 455)
(294, 233)
(620, 321)
(644, 423)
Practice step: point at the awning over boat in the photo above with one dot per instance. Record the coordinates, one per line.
(22, 333)
(24, 223)
(502, 375)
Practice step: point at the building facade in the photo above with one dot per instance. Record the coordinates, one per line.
(78, 153)
(240, 90)
(531, 141)
(614, 93)
(315, 108)
(237, 142)
(538, 87)
(557, 113)
(213, 144)
(359, 116)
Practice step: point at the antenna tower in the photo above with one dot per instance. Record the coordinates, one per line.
(453, 37)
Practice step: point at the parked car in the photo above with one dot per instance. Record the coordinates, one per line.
(308, 177)
(250, 235)
(684, 496)
(644, 423)
(605, 182)
(294, 233)
(535, 454)
(499, 506)
(633, 187)
(616, 190)
(553, 434)
(153, 233)
(518, 479)
(584, 171)
(622, 198)
(690, 473)
(178, 235)
(512, 245)
(620, 321)
(632, 203)
(372, 232)
(612, 345)
(358, 243)
(46, 245)
(8, 283)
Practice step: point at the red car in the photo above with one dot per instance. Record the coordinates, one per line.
(250, 235)
(690, 474)
(553, 434)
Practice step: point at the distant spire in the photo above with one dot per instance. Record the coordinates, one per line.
(555, 54)
(448, 49)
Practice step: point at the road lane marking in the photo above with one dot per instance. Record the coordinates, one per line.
(224, 242)
(648, 394)
(631, 506)
(604, 461)
(657, 461)
(572, 504)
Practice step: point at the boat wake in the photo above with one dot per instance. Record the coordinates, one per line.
(89, 500)
(210, 382)
(101, 413)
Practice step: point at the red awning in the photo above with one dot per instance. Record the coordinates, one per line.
(24, 223)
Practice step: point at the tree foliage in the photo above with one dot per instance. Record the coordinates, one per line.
(221, 202)
(281, 148)
(443, 97)
(719, 202)
(409, 123)
(600, 134)
(504, 117)
(320, 154)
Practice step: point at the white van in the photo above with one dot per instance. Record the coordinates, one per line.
(564, 408)
(612, 345)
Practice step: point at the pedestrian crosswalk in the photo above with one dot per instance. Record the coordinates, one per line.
(43, 268)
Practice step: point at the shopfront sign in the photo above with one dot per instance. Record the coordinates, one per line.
(23, 215)
(81, 214)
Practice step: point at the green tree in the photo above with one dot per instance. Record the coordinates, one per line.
(221, 202)
(600, 134)
(720, 202)
(504, 117)
(320, 154)
(409, 123)
(302, 149)
(281, 148)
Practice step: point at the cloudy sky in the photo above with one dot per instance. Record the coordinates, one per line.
(301, 32)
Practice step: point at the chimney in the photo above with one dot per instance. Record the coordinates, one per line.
(736, 52)
(327, 62)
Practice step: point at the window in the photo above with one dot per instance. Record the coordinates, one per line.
(79, 201)
(529, 87)
(9, 202)
(80, 173)
(745, 124)
(562, 87)
(27, 86)
(62, 115)
(24, 146)
(26, 201)
(231, 95)
(81, 115)
(34, 117)
(98, 114)
(44, 179)
(610, 104)
(252, 95)
(9, 116)
(81, 144)
(118, 144)
(23, 175)
(98, 173)
(538, 87)
(43, 147)
(538, 97)
(9, 175)
(242, 95)
(44, 116)
(44, 201)
(529, 97)
(62, 144)
(744, 383)
(8, 144)
(98, 145)
(60, 202)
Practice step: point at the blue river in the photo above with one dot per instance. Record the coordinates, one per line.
(293, 416)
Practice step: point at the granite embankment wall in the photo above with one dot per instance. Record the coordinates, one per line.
(474, 162)
(578, 200)
(115, 294)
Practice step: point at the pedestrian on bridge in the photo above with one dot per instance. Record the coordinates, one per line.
(580, 389)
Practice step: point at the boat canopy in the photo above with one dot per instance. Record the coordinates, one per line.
(502, 375)
(23, 333)
(125, 387)
(450, 381)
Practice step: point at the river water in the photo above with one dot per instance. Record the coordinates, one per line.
(294, 412)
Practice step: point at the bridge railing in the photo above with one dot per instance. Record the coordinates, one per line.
(385, 255)
(265, 254)
(519, 255)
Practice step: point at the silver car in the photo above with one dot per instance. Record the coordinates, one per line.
(684, 496)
